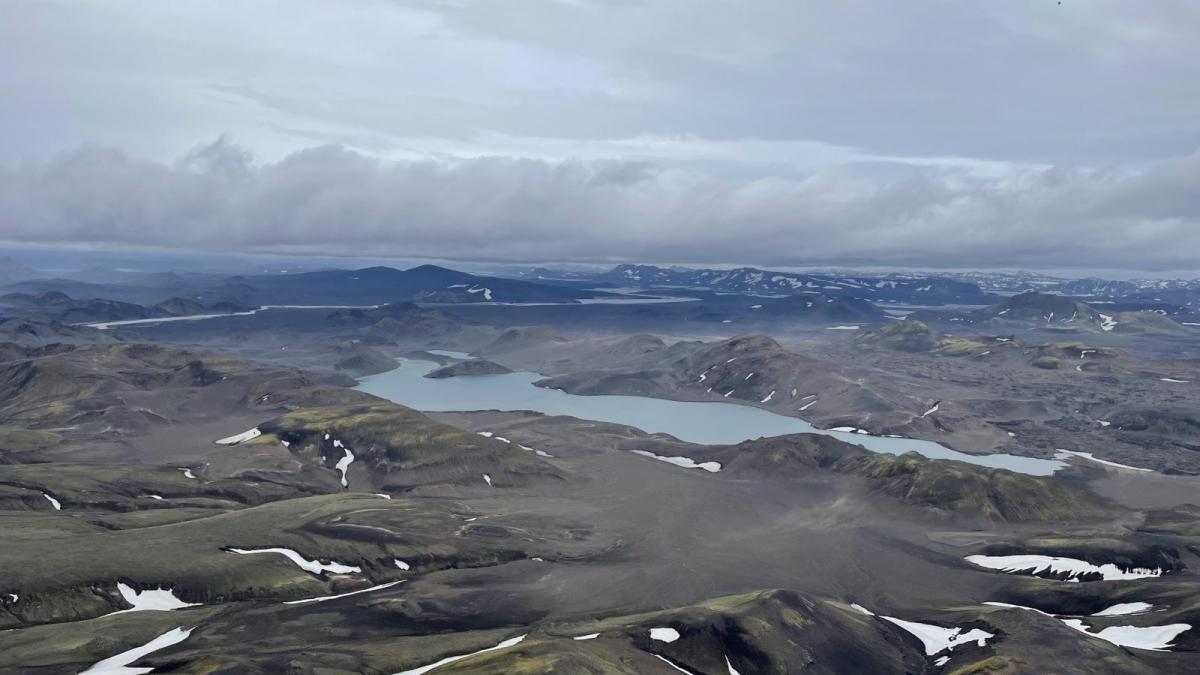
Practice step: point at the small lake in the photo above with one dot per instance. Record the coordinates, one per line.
(695, 422)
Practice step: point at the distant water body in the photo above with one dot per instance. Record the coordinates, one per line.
(709, 423)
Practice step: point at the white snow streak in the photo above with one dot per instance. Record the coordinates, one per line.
(685, 462)
(1067, 454)
(238, 438)
(314, 566)
(323, 598)
(451, 659)
(118, 665)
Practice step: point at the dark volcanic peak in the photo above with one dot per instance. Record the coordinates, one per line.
(27, 333)
(905, 336)
(57, 306)
(42, 299)
(515, 339)
(1057, 310)
(180, 307)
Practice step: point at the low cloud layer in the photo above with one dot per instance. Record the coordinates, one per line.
(332, 200)
(771, 132)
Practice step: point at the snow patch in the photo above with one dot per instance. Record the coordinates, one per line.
(238, 438)
(938, 639)
(1152, 638)
(841, 328)
(401, 564)
(487, 479)
(769, 397)
(314, 566)
(685, 462)
(53, 502)
(589, 636)
(1071, 567)
(487, 292)
(187, 473)
(157, 599)
(344, 463)
(664, 634)
(1066, 454)
(1125, 608)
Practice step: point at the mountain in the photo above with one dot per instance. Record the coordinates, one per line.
(903, 336)
(1100, 288)
(379, 285)
(1043, 308)
(60, 307)
(36, 334)
(920, 289)
(1034, 306)
(57, 306)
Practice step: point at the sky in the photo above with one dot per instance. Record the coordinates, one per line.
(932, 133)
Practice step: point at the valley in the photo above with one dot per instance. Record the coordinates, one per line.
(384, 487)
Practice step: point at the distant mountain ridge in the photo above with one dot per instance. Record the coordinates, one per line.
(379, 285)
(754, 281)
(367, 286)
(62, 308)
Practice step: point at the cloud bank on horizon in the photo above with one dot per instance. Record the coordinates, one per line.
(932, 134)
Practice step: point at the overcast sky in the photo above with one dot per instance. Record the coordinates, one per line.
(1023, 133)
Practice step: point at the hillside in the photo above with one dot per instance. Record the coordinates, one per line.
(378, 285)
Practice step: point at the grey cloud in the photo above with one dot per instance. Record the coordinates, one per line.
(1030, 81)
(329, 199)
